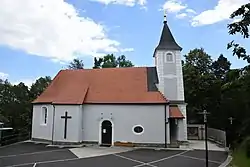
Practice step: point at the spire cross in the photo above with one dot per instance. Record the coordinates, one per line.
(165, 15)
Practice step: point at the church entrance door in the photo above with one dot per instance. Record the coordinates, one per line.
(106, 133)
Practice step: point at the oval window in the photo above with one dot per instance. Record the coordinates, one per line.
(138, 129)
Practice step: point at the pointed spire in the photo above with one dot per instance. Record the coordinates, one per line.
(167, 41)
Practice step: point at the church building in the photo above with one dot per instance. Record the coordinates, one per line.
(138, 105)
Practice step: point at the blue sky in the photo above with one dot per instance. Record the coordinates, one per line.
(40, 37)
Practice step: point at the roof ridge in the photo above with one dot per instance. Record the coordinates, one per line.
(122, 68)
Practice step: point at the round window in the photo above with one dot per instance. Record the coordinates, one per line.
(138, 129)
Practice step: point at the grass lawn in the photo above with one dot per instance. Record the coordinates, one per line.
(240, 159)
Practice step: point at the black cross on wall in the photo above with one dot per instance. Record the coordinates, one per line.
(65, 117)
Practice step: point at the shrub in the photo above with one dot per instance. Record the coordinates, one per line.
(248, 148)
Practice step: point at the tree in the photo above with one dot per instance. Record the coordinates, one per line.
(199, 59)
(220, 67)
(97, 63)
(222, 91)
(39, 86)
(241, 27)
(110, 61)
(198, 81)
(122, 62)
(76, 64)
(15, 107)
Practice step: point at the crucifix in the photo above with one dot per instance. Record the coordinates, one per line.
(65, 117)
(231, 120)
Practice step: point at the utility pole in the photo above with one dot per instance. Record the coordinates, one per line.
(229, 132)
(205, 113)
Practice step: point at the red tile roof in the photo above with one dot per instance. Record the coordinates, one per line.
(108, 85)
(174, 112)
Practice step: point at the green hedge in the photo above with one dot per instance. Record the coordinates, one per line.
(248, 148)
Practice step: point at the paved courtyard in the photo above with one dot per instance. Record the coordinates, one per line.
(38, 155)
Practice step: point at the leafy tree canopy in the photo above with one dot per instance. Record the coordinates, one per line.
(110, 61)
(241, 27)
(76, 64)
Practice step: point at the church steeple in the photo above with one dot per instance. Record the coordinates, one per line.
(167, 41)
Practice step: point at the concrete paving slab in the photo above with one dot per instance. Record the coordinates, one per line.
(148, 155)
(200, 145)
(93, 151)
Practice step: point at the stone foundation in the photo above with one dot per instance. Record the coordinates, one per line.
(117, 143)
(41, 140)
(158, 145)
(54, 142)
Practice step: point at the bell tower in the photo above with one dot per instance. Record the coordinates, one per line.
(168, 64)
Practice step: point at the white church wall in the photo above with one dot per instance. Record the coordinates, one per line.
(39, 129)
(159, 67)
(182, 124)
(73, 126)
(170, 74)
(124, 118)
(180, 83)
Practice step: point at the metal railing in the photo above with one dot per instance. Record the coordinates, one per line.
(14, 138)
(217, 136)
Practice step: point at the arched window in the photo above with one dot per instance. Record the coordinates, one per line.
(169, 57)
(44, 115)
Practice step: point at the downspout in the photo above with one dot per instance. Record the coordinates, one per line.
(165, 123)
(53, 124)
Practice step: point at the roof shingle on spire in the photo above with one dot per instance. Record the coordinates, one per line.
(167, 41)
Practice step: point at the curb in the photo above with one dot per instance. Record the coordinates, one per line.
(227, 162)
(159, 148)
(66, 146)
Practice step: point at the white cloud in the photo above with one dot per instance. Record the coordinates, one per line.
(123, 2)
(3, 75)
(127, 50)
(174, 6)
(220, 12)
(190, 11)
(181, 15)
(52, 28)
(177, 7)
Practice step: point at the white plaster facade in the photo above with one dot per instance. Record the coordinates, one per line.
(54, 129)
(85, 124)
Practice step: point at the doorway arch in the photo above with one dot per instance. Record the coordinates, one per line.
(106, 133)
